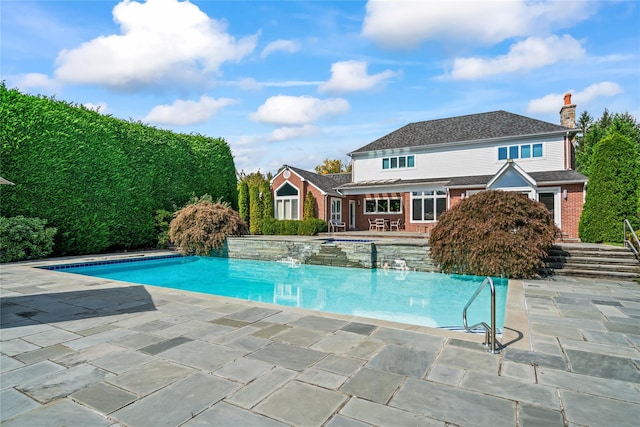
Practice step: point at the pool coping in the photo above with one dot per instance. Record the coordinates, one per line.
(515, 330)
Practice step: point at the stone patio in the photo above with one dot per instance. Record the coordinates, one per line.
(87, 351)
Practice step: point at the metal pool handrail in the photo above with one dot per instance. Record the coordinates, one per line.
(493, 346)
(628, 243)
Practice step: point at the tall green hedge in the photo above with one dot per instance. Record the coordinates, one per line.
(99, 180)
(613, 191)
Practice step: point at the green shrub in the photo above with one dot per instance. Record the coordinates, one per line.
(310, 227)
(163, 219)
(243, 201)
(271, 227)
(613, 191)
(25, 238)
(203, 227)
(493, 233)
(290, 227)
(267, 200)
(309, 210)
(255, 216)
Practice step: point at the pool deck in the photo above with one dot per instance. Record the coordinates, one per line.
(87, 351)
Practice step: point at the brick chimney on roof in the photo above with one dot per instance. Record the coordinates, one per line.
(568, 113)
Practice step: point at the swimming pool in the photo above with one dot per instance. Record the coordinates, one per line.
(419, 298)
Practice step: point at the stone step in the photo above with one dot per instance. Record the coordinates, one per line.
(604, 274)
(592, 260)
(595, 266)
(627, 256)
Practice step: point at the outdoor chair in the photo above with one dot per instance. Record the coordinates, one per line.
(335, 225)
(380, 224)
(372, 225)
(397, 225)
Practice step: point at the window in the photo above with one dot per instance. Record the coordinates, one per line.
(537, 150)
(428, 205)
(286, 202)
(375, 206)
(524, 151)
(336, 210)
(399, 162)
(547, 199)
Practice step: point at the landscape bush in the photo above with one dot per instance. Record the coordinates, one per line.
(613, 191)
(25, 238)
(100, 180)
(493, 233)
(308, 227)
(203, 227)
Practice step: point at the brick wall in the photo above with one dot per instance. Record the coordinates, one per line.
(572, 209)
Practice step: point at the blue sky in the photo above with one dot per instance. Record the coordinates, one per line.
(294, 82)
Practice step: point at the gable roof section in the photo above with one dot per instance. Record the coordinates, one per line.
(541, 178)
(325, 183)
(473, 127)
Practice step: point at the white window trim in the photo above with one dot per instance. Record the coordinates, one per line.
(388, 199)
(422, 197)
(277, 198)
(336, 216)
(557, 200)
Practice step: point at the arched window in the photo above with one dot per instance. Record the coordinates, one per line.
(287, 202)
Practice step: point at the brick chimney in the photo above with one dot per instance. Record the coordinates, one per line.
(568, 113)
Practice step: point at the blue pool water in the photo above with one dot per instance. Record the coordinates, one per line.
(427, 299)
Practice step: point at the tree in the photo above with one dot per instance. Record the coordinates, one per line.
(613, 191)
(256, 212)
(203, 227)
(493, 233)
(592, 132)
(332, 166)
(309, 210)
(267, 200)
(243, 200)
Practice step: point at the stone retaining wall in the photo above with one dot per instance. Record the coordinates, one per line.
(410, 256)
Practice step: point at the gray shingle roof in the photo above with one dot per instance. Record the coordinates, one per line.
(473, 127)
(477, 181)
(327, 183)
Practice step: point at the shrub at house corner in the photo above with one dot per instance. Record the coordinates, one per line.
(494, 233)
(613, 192)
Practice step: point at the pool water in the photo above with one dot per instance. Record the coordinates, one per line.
(419, 298)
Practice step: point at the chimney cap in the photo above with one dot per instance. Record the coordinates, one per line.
(567, 99)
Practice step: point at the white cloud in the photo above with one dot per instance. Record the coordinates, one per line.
(100, 107)
(298, 110)
(27, 82)
(280, 45)
(553, 101)
(159, 39)
(291, 132)
(349, 76)
(525, 55)
(406, 24)
(187, 112)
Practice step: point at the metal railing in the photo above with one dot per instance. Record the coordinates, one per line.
(493, 346)
(634, 244)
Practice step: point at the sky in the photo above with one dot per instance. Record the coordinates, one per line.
(297, 82)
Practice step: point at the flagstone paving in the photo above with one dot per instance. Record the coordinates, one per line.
(85, 351)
